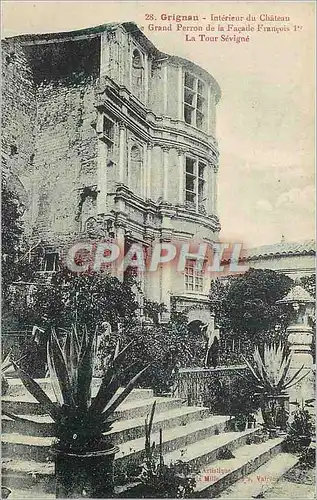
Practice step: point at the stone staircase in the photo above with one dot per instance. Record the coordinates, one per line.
(190, 434)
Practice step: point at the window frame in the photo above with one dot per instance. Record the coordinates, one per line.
(196, 95)
(55, 263)
(140, 148)
(198, 203)
(193, 278)
(140, 94)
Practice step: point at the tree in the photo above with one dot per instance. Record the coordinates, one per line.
(166, 347)
(87, 299)
(245, 306)
(309, 283)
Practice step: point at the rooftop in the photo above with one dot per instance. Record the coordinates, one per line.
(282, 249)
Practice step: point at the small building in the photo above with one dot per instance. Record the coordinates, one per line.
(295, 259)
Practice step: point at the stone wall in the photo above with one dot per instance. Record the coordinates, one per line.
(49, 138)
(18, 118)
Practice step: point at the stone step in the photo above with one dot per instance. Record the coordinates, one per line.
(38, 448)
(207, 450)
(122, 430)
(34, 493)
(218, 475)
(28, 474)
(25, 473)
(259, 482)
(175, 438)
(27, 405)
(16, 388)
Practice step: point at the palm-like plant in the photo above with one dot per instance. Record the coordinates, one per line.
(271, 372)
(80, 420)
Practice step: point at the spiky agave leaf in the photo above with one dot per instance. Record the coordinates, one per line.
(85, 372)
(258, 362)
(107, 425)
(106, 390)
(292, 380)
(53, 376)
(59, 369)
(37, 392)
(72, 356)
(283, 372)
(6, 364)
(17, 418)
(112, 388)
(255, 375)
(110, 408)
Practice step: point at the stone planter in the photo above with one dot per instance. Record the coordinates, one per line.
(275, 411)
(84, 475)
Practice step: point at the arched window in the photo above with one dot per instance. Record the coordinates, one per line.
(136, 167)
(137, 73)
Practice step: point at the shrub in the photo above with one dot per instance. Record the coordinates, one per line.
(300, 431)
(232, 395)
(164, 348)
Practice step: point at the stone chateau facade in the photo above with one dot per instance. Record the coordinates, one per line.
(106, 136)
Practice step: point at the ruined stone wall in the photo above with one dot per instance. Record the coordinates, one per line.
(66, 155)
(49, 136)
(18, 119)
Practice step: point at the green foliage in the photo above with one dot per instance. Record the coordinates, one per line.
(307, 458)
(270, 370)
(300, 431)
(149, 447)
(11, 233)
(152, 310)
(176, 480)
(80, 420)
(86, 298)
(234, 396)
(309, 283)
(164, 348)
(246, 305)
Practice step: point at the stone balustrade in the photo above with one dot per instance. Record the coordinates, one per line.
(192, 384)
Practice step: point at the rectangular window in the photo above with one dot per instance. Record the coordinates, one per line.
(194, 101)
(108, 129)
(195, 185)
(50, 261)
(194, 278)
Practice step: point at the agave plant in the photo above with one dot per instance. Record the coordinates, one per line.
(80, 419)
(271, 372)
(7, 368)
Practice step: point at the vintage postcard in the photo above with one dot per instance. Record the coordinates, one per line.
(158, 249)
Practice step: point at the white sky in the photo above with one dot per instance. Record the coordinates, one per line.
(265, 119)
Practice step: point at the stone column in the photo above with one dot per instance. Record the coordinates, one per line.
(148, 170)
(215, 189)
(165, 170)
(300, 336)
(102, 177)
(122, 159)
(165, 89)
(180, 93)
(146, 79)
(181, 174)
